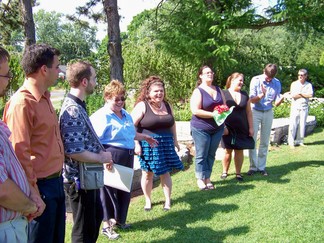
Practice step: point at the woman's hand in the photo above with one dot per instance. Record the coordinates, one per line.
(151, 141)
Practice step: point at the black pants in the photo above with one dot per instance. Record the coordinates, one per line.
(87, 213)
(115, 202)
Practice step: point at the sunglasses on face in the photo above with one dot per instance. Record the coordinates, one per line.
(123, 98)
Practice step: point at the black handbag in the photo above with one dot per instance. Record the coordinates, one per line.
(234, 141)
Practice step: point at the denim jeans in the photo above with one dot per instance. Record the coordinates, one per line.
(50, 226)
(262, 120)
(206, 145)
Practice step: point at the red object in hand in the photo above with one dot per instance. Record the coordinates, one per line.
(221, 108)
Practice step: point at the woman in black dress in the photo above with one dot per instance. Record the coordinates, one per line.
(239, 125)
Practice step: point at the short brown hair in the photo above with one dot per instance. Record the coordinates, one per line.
(77, 71)
(270, 70)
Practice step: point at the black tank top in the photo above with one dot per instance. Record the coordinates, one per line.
(153, 123)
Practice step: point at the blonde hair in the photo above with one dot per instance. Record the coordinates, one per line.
(112, 89)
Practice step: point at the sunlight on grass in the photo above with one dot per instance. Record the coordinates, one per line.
(286, 206)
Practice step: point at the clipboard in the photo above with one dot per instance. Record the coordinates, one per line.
(119, 177)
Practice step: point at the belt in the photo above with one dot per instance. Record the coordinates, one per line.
(52, 176)
(262, 110)
(129, 151)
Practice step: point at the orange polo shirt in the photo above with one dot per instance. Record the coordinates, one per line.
(35, 136)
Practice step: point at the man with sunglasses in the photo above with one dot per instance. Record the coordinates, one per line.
(300, 92)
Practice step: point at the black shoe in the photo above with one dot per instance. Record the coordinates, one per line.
(264, 173)
(123, 226)
(251, 172)
(239, 177)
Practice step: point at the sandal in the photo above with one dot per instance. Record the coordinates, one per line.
(239, 177)
(210, 186)
(223, 176)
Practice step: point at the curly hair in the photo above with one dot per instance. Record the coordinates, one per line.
(114, 88)
(146, 88)
(37, 55)
(77, 71)
(231, 78)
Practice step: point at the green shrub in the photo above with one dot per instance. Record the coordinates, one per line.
(317, 109)
(182, 111)
(282, 110)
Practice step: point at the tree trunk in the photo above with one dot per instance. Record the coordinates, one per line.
(114, 42)
(28, 22)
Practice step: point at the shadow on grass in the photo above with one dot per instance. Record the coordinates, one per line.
(276, 173)
(201, 209)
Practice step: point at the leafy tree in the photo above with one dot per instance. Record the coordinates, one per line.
(75, 41)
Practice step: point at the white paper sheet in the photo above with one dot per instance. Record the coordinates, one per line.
(120, 177)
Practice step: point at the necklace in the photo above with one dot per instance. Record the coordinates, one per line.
(158, 108)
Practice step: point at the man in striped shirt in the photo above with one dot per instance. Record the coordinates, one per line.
(16, 198)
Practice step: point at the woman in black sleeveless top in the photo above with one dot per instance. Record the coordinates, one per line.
(152, 115)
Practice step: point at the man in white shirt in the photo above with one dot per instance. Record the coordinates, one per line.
(300, 92)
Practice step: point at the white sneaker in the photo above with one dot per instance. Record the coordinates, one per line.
(302, 145)
(110, 233)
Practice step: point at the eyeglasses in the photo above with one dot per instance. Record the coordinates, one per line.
(123, 98)
(301, 75)
(9, 75)
(212, 73)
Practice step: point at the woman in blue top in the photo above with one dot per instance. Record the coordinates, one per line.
(204, 130)
(116, 131)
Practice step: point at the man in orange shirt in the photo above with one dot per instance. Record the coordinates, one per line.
(37, 142)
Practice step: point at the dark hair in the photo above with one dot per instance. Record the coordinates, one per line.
(200, 72)
(145, 88)
(270, 70)
(77, 71)
(231, 78)
(4, 55)
(37, 55)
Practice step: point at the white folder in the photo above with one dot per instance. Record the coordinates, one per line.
(119, 177)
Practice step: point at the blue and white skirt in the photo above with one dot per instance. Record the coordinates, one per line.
(162, 158)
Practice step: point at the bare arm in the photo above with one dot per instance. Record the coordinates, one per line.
(195, 106)
(13, 198)
(174, 132)
(137, 114)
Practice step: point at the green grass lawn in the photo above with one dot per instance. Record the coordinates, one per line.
(286, 206)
